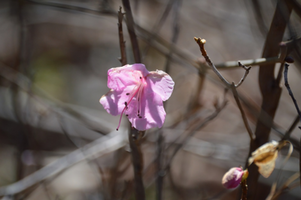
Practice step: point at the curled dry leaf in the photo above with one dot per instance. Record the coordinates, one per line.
(265, 157)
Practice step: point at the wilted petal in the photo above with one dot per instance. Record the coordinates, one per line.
(232, 178)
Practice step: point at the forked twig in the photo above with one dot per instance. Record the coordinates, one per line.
(247, 69)
(201, 43)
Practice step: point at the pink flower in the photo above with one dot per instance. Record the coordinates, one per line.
(233, 177)
(139, 94)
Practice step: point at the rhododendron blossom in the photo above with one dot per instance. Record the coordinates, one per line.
(233, 177)
(139, 94)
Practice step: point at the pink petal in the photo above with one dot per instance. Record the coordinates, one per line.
(140, 67)
(120, 77)
(113, 101)
(152, 111)
(161, 83)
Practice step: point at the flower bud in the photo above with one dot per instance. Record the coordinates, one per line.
(233, 177)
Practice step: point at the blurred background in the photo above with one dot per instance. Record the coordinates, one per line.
(58, 139)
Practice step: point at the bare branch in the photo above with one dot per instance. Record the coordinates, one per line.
(135, 135)
(244, 76)
(243, 115)
(123, 58)
(201, 43)
(131, 24)
(290, 91)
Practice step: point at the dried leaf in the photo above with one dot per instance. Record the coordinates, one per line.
(267, 166)
(264, 153)
(265, 157)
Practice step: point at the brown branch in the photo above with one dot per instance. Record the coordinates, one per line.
(244, 76)
(290, 92)
(201, 43)
(244, 188)
(135, 135)
(130, 24)
(137, 159)
(243, 115)
(149, 37)
(269, 88)
(122, 59)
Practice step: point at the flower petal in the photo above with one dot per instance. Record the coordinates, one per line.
(161, 83)
(120, 77)
(114, 101)
(152, 111)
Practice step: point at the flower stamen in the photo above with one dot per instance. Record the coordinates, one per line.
(127, 103)
(139, 101)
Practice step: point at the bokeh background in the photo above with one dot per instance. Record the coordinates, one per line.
(54, 57)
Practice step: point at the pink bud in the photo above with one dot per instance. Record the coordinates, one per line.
(232, 178)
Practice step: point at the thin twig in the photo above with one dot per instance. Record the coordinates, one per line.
(131, 24)
(146, 35)
(201, 43)
(244, 76)
(244, 188)
(243, 115)
(123, 58)
(135, 135)
(290, 91)
(283, 54)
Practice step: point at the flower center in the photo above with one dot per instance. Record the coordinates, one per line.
(137, 91)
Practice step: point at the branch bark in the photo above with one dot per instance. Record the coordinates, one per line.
(270, 89)
(135, 135)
